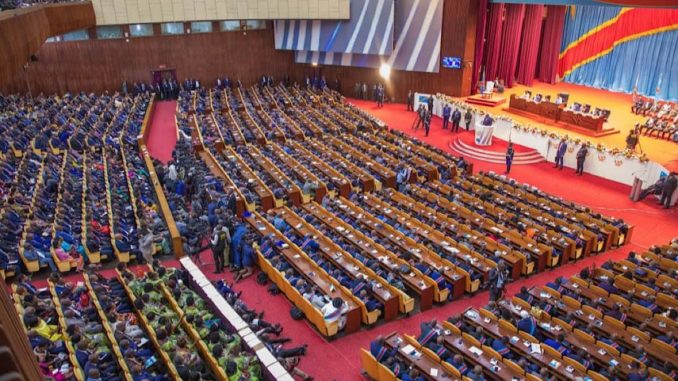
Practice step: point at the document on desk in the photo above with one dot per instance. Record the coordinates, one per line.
(434, 372)
(536, 348)
(408, 349)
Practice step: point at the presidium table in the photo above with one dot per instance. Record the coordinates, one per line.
(551, 113)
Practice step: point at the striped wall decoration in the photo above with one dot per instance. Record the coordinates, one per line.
(368, 31)
(416, 42)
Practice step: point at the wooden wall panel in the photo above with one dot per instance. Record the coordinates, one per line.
(23, 31)
(98, 65)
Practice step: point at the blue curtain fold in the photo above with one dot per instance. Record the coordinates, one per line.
(648, 62)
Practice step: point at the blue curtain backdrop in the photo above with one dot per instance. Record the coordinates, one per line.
(646, 62)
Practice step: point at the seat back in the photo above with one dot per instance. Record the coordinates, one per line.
(384, 373)
(574, 363)
(369, 363)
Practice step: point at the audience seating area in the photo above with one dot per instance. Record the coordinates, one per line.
(610, 323)
(309, 173)
(662, 118)
(77, 191)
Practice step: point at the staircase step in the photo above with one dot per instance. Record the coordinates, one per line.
(522, 158)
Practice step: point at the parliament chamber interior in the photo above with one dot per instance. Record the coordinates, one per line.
(232, 190)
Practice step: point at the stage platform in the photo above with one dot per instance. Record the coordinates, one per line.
(493, 101)
(621, 118)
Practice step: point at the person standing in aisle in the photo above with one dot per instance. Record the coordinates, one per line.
(447, 112)
(509, 157)
(581, 157)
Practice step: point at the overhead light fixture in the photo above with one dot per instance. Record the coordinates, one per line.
(314, 64)
(385, 70)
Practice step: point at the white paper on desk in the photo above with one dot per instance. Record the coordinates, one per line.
(536, 348)
(475, 350)
(434, 372)
(408, 349)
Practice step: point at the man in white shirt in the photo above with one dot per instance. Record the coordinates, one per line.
(335, 312)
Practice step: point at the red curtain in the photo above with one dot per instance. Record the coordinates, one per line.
(510, 42)
(529, 48)
(480, 42)
(550, 44)
(493, 44)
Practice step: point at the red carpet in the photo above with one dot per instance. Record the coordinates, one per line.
(339, 359)
(163, 131)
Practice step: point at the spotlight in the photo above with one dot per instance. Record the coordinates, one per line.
(314, 64)
(385, 71)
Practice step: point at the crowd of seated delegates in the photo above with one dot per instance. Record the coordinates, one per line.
(236, 172)
(279, 191)
(307, 162)
(94, 351)
(401, 139)
(463, 239)
(662, 119)
(166, 324)
(307, 186)
(336, 164)
(248, 129)
(133, 341)
(427, 269)
(413, 261)
(225, 346)
(40, 319)
(267, 332)
(333, 310)
(393, 278)
(250, 101)
(361, 287)
(619, 223)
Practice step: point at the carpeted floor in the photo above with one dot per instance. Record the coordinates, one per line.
(163, 133)
(339, 359)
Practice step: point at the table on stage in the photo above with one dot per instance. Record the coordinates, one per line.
(557, 113)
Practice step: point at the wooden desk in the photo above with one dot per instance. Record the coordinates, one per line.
(481, 264)
(369, 248)
(423, 364)
(624, 337)
(309, 159)
(343, 260)
(543, 359)
(494, 370)
(265, 195)
(396, 238)
(296, 131)
(281, 179)
(429, 170)
(377, 171)
(348, 168)
(309, 270)
(597, 353)
(551, 112)
(282, 159)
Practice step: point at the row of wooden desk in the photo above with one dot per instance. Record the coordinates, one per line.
(557, 113)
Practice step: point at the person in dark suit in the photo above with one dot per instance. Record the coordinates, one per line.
(380, 351)
(427, 122)
(456, 118)
(447, 111)
(497, 280)
(560, 153)
(430, 103)
(669, 187)
(509, 157)
(581, 158)
(467, 118)
(410, 101)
